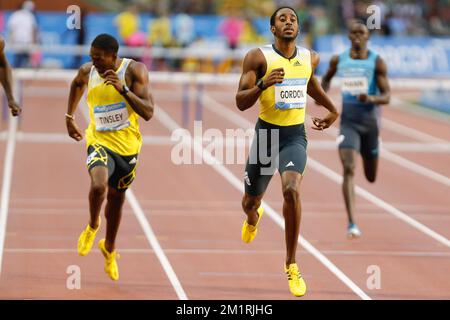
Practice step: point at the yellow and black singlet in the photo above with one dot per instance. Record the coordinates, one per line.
(284, 104)
(113, 123)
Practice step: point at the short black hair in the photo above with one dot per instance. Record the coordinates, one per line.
(357, 21)
(106, 42)
(272, 18)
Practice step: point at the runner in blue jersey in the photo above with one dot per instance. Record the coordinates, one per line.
(364, 87)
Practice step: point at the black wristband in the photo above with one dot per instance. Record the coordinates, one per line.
(125, 90)
(260, 84)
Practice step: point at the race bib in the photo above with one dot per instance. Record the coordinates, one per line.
(355, 85)
(111, 117)
(291, 94)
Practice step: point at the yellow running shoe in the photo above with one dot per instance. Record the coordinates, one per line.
(248, 231)
(296, 283)
(86, 239)
(111, 267)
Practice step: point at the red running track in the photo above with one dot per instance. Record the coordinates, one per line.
(196, 216)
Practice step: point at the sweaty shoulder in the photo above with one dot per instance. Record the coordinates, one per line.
(83, 73)
(86, 68)
(137, 69)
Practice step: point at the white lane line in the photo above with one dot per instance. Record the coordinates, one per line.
(419, 110)
(218, 108)
(405, 163)
(330, 174)
(54, 137)
(152, 140)
(425, 254)
(150, 235)
(409, 132)
(6, 183)
(415, 167)
(143, 221)
(417, 147)
(172, 125)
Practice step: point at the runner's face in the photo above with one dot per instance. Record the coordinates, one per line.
(286, 25)
(358, 35)
(102, 60)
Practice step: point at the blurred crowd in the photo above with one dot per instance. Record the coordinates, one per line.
(173, 24)
(398, 17)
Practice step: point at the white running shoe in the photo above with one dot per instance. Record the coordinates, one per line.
(353, 231)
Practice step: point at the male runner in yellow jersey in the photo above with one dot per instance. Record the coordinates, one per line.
(280, 75)
(6, 80)
(118, 93)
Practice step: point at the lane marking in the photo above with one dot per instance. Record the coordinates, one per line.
(409, 132)
(402, 162)
(153, 241)
(337, 178)
(201, 251)
(6, 182)
(155, 140)
(330, 174)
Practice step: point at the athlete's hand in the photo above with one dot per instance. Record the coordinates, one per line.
(320, 124)
(111, 78)
(365, 98)
(15, 109)
(275, 76)
(73, 130)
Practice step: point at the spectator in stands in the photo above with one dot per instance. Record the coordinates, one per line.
(184, 29)
(127, 24)
(249, 34)
(321, 22)
(231, 28)
(160, 31)
(22, 28)
(160, 35)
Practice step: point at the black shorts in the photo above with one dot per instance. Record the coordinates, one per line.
(362, 138)
(266, 155)
(121, 169)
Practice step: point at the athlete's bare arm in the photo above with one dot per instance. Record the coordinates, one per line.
(139, 97)
(332, 69)
(316, 92)
(382, 84)
(77, 88)
(254, 68)
(6, 80)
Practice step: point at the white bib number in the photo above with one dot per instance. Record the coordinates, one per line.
(111, 117)
(355, 85)
(291, 94)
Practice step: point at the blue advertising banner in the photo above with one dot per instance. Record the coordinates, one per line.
(405, 56)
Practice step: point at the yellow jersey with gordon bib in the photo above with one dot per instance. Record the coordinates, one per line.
(113, 123)
(284, 104)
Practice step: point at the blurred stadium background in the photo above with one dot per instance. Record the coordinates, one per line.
(194, 49)
(213, 35)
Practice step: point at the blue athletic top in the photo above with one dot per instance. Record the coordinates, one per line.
(358, 77)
